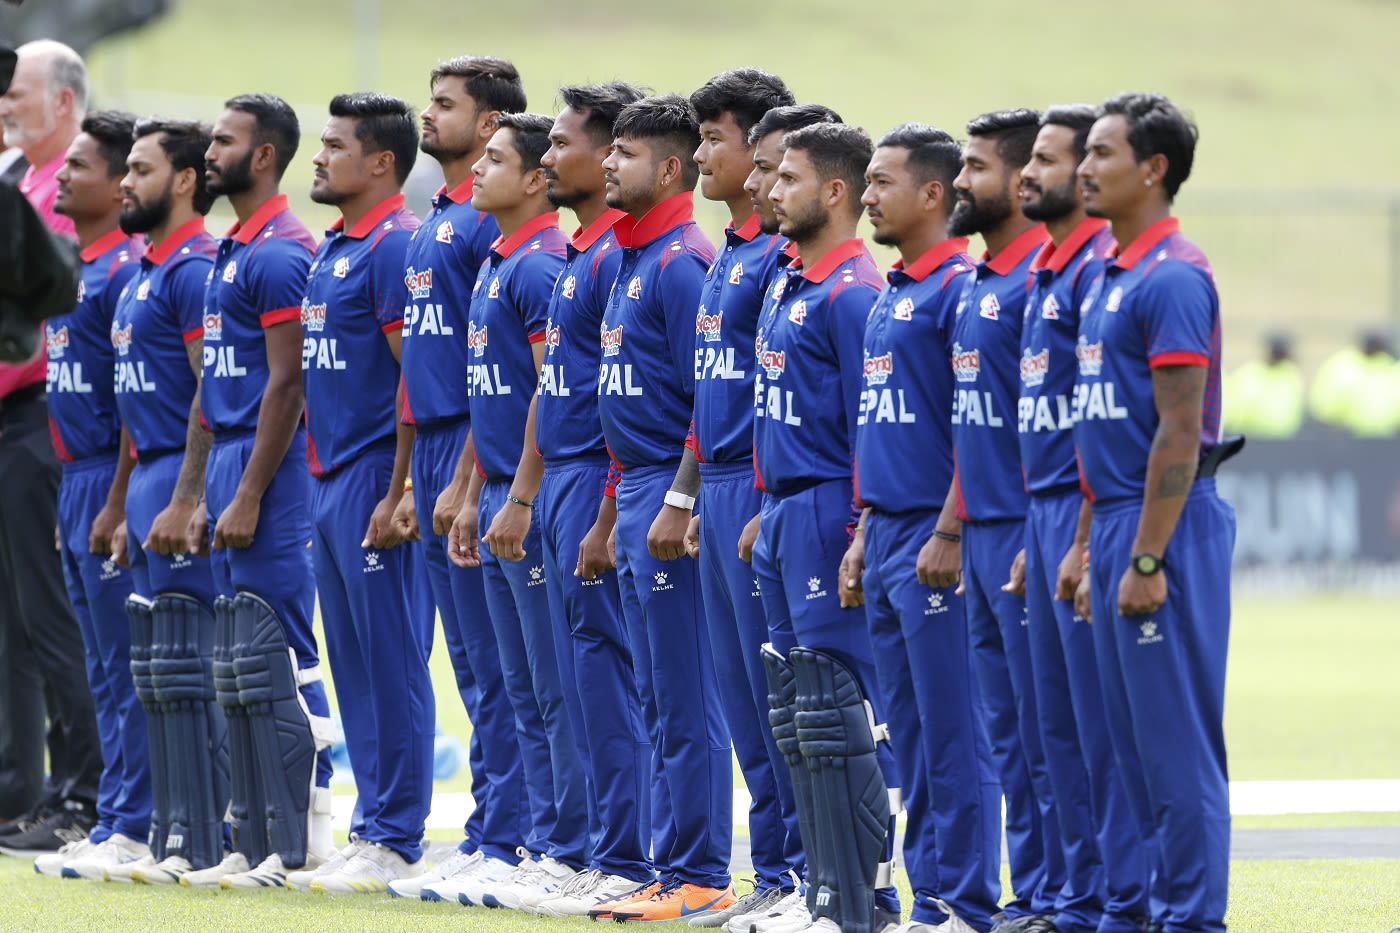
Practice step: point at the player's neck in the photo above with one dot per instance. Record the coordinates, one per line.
(913, 249)
(1061, 227)
(514, 218)
(740, 210)
(1000, 238)
(246, 204)
(90, 231)
(361, 204)
(589, 211)
(1129, 225)
(180, 214)
(455, 172)
(831, 236)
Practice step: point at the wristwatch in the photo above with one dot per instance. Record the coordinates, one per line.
(1147, 564)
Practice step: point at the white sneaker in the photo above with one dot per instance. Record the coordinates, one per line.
(484, 873)
(94, 864)
(269, 873)
(789, 916)
(954, 923)
(300, 880)
(51, 863)
(581, 893)
(122, 873)
(442, 870)
(168, 870)
(756, 901)
(234, 863)
(740, 923)
(532, 881)
(369, 871)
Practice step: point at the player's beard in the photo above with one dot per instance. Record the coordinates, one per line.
(808, 221)
(972, 216)
(1052, 204)
(234, 180)
(562, 197)
(442, 149)
(627, 199)
(143, 218)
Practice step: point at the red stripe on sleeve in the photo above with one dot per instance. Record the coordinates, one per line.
(192, 335)
(1179, 358)
(280, 316)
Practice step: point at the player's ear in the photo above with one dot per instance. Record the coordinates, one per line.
(669, 170)
(836, 189)
(185, 181)
(382, 163)
(534, 181)
(1155, 167)
(932, 195)
(487, 123)
(264, 157)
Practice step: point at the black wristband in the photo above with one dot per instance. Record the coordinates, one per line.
(519, 501)
(946, 536)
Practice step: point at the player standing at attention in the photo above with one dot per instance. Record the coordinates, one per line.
(266, 665)
(727, 107)
(158, 334)
(1105, 859)
(1148, 433)
(468, 94)
(378, 623)
(903, 469)
(594, 652)
(808, 349)
(645, 397)
(88, 438)
(989, 496)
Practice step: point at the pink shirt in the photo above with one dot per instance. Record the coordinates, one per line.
(40, 187)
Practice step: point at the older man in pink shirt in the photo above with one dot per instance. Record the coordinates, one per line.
(41, 649)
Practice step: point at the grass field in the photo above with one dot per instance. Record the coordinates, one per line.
(1288, 96)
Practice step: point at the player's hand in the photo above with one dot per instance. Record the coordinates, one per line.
(104, 525)
(117, 545)
(448, 504)
(170, 531)
(1083, 605)
(506, 536)
(848, 586)
(595, 554)
(666, 538)
(747, 537)
(1071, 570)
(462, 546)
(406, 517)
(692, 538)
(940, 563)
(1139, 595)
(1016, 580)
(197, 534)
(236, 526)
(381, 532)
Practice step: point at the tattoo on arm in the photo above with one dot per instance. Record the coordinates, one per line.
(1176, 480)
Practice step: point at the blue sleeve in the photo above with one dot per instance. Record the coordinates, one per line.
(280, 281)
(850, 307)
(187, 284)
(1176, 308)
(533, 287)
(388, 293)
(682, 282)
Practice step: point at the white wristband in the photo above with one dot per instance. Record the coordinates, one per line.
(680, 500)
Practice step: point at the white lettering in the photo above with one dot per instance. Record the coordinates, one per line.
(616, 379)
(320, 353)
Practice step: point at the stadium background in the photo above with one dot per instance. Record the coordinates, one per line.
(1295, 196)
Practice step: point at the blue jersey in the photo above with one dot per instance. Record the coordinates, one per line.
(1060, 278)
(904, 440)
(444, 255)
(509, 311)
(985, 348)
(354, 299)
(566, 416)
(159, 312)
(807, 390)
(259, 278)
(1154, 305)
(725, 327)
(82, 404)
(645, 381)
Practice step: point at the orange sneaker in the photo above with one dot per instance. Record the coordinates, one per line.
(605, 907)
(675, 901)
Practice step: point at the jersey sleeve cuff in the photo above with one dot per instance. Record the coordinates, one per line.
(192, 335)
(537, 336)
(392, 326)
(1179, 358)
(280, 316)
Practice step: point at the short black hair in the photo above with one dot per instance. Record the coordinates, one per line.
(789, 118)
(112, 130)
(747, 93)
(1013, 132)
(382, 122)
(668, 120)
(1156, 125)
(1077, 117)
(601, 103)
(184, 143)
(493, 83)
(934, 155)
(531, 132)
(274, 123)
(836, 150)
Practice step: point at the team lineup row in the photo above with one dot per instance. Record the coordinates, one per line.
(690, 499)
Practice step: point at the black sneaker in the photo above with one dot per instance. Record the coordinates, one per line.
(25, 821)
(69, 823)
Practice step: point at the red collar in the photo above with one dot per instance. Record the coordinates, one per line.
(187, 231)
(1009, 258)
(583, 240)
(367, 223)
(244, 232)
(107, 241)
(503, 247)
(460, 194)
(669, 214)
(747, 230)
(1055, 258)
(790, 251)
(1145, 241)
(936, 256)
(831, 261)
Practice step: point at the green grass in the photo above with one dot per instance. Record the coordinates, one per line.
(1287, 96)
(1315, 820)
(1321, 896)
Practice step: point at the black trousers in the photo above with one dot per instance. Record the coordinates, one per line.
(42, 666)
